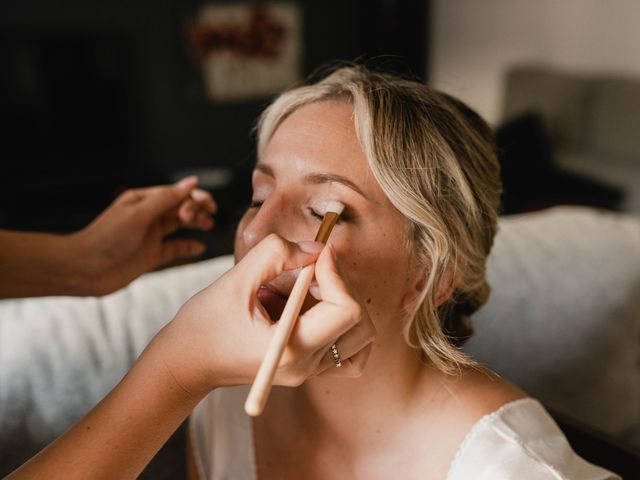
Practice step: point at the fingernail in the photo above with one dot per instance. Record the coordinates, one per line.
(310, 247)
(188, 182)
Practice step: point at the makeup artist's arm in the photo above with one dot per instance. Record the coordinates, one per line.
(125, 241)
(216, 339)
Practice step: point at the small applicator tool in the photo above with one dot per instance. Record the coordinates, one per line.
(261, 387)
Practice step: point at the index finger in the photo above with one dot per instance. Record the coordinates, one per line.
(200, 204)
(204, 200)
(159, 200)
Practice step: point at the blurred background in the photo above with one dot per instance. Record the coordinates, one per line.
(101, 95)
(98, 96)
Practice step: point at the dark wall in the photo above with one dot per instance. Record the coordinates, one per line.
(100, 95)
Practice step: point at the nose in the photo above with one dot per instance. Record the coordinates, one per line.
(273, 216)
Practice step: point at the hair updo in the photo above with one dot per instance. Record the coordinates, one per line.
(435, 160)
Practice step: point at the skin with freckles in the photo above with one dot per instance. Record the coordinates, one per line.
(400, 417)
(287, 202)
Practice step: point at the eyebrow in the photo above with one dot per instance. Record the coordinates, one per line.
(317, 178)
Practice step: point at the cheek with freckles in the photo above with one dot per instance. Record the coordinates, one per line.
(378, 271)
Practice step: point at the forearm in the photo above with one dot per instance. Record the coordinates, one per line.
(39, 264)
(123, 432)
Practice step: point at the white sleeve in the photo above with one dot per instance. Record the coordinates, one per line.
(518, 441)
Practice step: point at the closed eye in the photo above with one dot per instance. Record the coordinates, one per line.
(320, 217)
(312, 212)
(316, 214)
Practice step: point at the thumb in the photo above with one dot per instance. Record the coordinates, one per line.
(272, 256)
(161, 199)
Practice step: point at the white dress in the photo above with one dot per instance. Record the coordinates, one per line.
(518, 441)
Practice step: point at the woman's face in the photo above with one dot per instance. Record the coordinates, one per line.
(314, 157)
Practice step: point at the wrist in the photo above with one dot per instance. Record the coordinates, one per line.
(179, 357)
(62, 259)
(77, 274)
(158, 366)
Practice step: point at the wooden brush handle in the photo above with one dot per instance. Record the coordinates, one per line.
(261, 387)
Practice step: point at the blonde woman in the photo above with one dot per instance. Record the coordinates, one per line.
(419, 177)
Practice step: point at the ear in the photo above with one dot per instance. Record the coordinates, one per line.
(415, 294)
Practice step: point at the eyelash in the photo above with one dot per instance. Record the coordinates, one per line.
(316, 215)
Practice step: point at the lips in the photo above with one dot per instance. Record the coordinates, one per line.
(271, 290)
(273, 298)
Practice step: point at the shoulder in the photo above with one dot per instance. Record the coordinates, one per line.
(448, 407)
(520, 437)
(497, 432)
(478, 392)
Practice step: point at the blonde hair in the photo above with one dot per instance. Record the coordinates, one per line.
(435, 160)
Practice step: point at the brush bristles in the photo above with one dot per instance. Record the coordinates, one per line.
(334, 207)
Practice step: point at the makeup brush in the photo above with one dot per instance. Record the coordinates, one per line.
(261, 387)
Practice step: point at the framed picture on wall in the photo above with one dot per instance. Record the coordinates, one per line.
(245, 50)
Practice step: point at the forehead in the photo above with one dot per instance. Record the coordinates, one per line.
(320, 137)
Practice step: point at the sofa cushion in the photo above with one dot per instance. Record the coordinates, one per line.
(620, 171)
(561, 98)
(563, 320)
(614, 117)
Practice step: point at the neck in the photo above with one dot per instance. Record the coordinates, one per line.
(395, 380)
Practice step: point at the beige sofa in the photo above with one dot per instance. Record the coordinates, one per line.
(593, 119)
